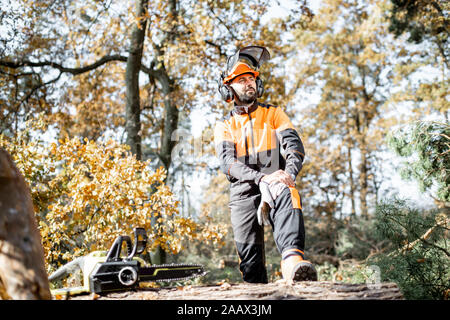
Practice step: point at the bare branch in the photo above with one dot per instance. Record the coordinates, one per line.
(409, 246)
(61, 68)
(76, 71)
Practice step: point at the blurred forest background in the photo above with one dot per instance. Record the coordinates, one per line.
(108, 107)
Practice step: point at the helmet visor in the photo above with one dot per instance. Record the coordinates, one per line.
(253, 56)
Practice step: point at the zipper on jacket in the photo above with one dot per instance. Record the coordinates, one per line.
(246, 144)
(252, 137)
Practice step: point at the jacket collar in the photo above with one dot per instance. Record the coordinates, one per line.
(244, 109)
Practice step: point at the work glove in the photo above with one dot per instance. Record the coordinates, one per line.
(267, 202)
(269, 192)
(276, 188)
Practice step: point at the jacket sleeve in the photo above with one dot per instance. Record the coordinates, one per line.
(226, 152)
(291, 143)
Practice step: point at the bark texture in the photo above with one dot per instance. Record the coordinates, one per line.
(279, 290)
(22, 269)
(134, 61)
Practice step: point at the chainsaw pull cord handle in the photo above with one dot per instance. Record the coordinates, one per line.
(116, 248)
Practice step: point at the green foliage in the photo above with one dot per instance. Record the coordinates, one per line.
(419, 18)
(351, 238)
(357, 239)
(321, 234)
(326, 272)
(349, 271)
(429, 142)
(339, 248)
(418, 256)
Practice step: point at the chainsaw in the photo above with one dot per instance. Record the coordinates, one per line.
(108, 271)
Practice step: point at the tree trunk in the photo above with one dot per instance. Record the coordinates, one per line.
(363, 182)
(22, 269)
(352, 182)
(171, 112)
(134, 61)
(362, 125)
(170, 124)
(159, 256)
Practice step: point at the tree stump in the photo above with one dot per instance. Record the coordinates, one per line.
(22, 269)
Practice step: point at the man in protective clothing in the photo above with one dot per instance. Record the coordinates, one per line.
(261, 154)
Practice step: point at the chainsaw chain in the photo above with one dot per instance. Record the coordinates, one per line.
(174, 265)
(194, 275)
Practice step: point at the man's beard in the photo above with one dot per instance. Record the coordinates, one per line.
(247, 97)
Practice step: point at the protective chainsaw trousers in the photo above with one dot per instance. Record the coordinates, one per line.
(286, 219)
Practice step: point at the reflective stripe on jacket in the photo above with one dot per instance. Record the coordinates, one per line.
(248, 147)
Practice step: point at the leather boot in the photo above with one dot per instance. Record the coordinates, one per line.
(296, 269)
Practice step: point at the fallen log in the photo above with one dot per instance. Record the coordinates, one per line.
(279, 290)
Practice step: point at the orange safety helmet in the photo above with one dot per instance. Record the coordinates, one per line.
(238, 69)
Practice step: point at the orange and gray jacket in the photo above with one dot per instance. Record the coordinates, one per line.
(248, 147)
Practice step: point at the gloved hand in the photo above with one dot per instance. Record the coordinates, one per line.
(269, 192)
(276, 188)
(280, 176)
(265, 205)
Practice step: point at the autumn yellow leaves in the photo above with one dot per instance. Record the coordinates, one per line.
(87, 193)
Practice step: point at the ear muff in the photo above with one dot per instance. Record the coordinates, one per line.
(225, 90)
(259, 87)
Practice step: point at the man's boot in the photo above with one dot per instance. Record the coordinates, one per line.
(296, 269)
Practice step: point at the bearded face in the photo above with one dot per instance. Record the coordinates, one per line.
(245, 88)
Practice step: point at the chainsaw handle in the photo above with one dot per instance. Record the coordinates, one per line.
(140, 241)
(116, 248)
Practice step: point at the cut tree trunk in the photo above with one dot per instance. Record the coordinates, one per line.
(22, 269)
(280, 290)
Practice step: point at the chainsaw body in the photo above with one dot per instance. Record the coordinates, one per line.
(107, 271)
